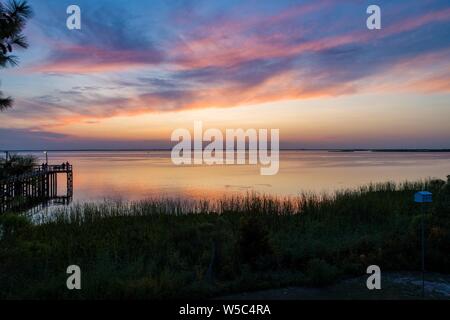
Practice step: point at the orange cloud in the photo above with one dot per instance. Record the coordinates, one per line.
(222, 48)
(91, 59)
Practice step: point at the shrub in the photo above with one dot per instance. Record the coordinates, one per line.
(319, 272)
(254, 245)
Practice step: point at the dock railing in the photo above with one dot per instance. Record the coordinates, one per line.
(39, 184)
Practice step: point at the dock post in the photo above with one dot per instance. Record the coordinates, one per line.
(69, 183)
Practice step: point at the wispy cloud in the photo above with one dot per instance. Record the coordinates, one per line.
(157, 57)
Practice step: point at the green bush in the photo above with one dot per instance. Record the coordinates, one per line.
(16, 165)
(254, 245)
(320, 273)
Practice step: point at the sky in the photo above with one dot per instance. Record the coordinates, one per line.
(137, 70)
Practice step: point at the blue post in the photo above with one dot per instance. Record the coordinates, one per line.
(423, 197)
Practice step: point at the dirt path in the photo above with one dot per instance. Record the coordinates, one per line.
(393, 286)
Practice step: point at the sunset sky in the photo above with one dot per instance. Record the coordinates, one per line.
(140, 69)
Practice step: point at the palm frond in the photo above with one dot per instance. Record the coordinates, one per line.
(8, 61)
(18, 9)
(19, 40)
(13, 18)
(5, 102)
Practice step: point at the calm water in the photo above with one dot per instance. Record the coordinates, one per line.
(145, 174)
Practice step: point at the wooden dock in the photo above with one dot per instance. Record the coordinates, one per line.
(38, 186)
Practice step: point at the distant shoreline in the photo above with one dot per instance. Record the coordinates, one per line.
(294, 149)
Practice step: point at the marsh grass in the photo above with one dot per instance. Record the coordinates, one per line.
(165, 248)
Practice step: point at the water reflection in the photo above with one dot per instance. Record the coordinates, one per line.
(146, 174)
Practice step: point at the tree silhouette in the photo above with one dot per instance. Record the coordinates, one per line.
(13, 18)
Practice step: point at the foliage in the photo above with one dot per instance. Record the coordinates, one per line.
(16, 165)
(13, 18)
(188, 249)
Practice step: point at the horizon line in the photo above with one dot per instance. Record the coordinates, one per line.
(281, 149)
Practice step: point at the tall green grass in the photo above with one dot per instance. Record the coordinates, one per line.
(165, 248)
